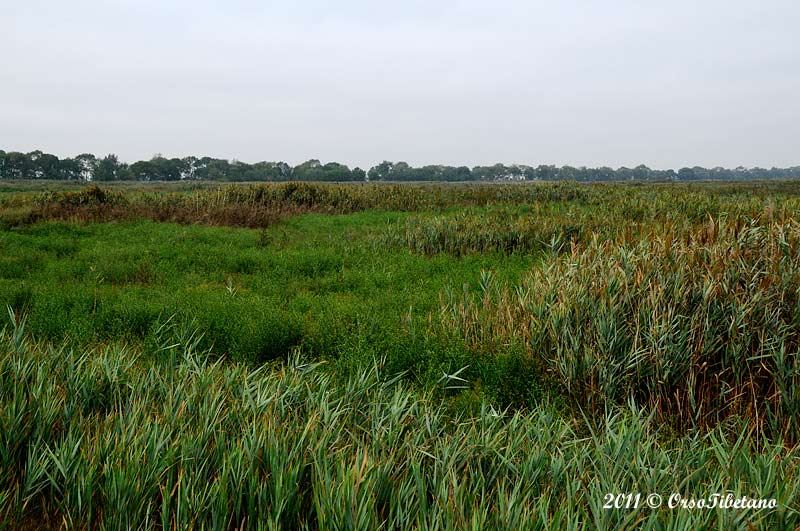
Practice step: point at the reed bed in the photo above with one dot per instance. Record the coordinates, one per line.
(696, 327)
(262, 205)
(105, 439)
(494, 231)
(547, 226)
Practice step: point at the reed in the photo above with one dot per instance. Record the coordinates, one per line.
(697, 326)
(104, 440)
(264, 204)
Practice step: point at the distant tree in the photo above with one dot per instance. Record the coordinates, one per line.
(488, 173)
(69, 170)
(217, 170)
(107, 168)
(401, 171)
(39, 165)
(381, 172)
(284, 170)
(47, 166)
(457, 174)
(359, 174)
(604, 173)
(87, 163)
(568, 173)
(32, 165)
(201, 168)
(239, 171)
(530, 173)
(546, 173)
(333, 171)
(624, 174)
(686, 174)
(310, 170)
(141, 170)
(17, 165)
(641, 172)
(189, 168)
(164, 169)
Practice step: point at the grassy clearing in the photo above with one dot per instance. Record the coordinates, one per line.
(319, 283)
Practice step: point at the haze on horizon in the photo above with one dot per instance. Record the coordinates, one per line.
(620, 83)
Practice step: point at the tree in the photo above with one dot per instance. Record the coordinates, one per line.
(461, 173)
(46, 166)
(17, 165)
(642, 172)
(686, 174)
(39, 165)
(69, 169)
(310, 170)
(487, 173)
(333, 171)
(568, 173)
(359, 174)
(107, 168)
(381, 172)
(165, 169)
(141, 171)
(217, 170)
(87, 163)
(32, 166)
(189, 168)
(401, 172)
(546, 172)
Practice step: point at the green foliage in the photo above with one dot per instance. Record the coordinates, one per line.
(316, 284)
(86, 167)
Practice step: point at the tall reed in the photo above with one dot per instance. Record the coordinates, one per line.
(697, 326)
(104, 439)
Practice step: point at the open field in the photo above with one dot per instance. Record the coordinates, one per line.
(360, 356)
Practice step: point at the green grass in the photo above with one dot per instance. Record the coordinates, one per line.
(319, 283)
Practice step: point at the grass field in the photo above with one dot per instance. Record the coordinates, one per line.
(398, 356)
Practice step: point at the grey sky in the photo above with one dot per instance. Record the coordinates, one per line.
(667, 84)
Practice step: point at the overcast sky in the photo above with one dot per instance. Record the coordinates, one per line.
(668, 84)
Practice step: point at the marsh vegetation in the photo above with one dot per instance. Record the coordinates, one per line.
(362, 356)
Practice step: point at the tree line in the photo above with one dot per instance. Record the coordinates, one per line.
(88, 167)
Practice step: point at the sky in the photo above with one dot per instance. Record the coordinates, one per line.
(584, 83)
